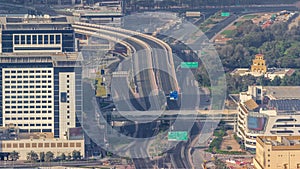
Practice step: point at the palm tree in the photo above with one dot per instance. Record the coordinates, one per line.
(32, 156)
(69, 157)
(49, 156)
(76, 155)
(42, 156)
(14, 156)
(63, 157)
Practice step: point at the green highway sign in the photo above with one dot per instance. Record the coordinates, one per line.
(189, 65)
(177, 136)
(225, 14)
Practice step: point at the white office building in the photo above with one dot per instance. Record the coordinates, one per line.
(268, 110)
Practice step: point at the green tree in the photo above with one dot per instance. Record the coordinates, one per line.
(42, 156)
(76, 155)
(62, 157)
(49, 156)
(276, 81)
(14, 156)
(69, 157)
(32, 156)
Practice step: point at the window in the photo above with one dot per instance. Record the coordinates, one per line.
(57, 39)
(28, 39)
(46, 39)
(40, 39)
(34, 39)
(22, 39)
(51, 39)
(17, 40)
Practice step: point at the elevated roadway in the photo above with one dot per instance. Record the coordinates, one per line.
(160, 53)
(145, 80)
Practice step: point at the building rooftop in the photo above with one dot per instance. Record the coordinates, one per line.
(285, 105)
(33, 22)
(282, 92)
(251, 104)
(280, 140)
(12, 133)
(58, 59)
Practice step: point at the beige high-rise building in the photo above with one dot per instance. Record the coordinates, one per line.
(277, 152)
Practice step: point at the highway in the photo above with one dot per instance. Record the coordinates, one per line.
(144, 79)
(160, 59)
(161, 51)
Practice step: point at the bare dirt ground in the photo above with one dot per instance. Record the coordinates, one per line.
(230, 141)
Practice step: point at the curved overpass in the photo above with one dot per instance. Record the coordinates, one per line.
(165, 53)
(148, 81)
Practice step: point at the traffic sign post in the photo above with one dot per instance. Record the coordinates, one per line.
(177, 136)
(189, 65)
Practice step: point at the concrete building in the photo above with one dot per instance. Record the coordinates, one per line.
(40, 78)
(106, 13)
(277, 152)
(36, 34)
(268, 110)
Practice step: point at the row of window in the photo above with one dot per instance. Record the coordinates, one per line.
(26, 101)
(26, 107)
(28, 71)
(286, 125)
(39, 145)
(33, 125)
(28, 118)
(37, 39)
(26, 91)
(26, 81)
(26, 76)
(26, 86)
(27, 97)
(26, 112)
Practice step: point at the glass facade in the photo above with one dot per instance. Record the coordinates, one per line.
(38, 37)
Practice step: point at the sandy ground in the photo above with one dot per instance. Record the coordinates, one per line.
(230, 141)
(295, 22)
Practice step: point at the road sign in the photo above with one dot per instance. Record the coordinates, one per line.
(177, 136)
(189, 65)
(225, 14)
(173, 95)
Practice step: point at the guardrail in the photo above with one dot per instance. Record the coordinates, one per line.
(100, 33)
(158, 41)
